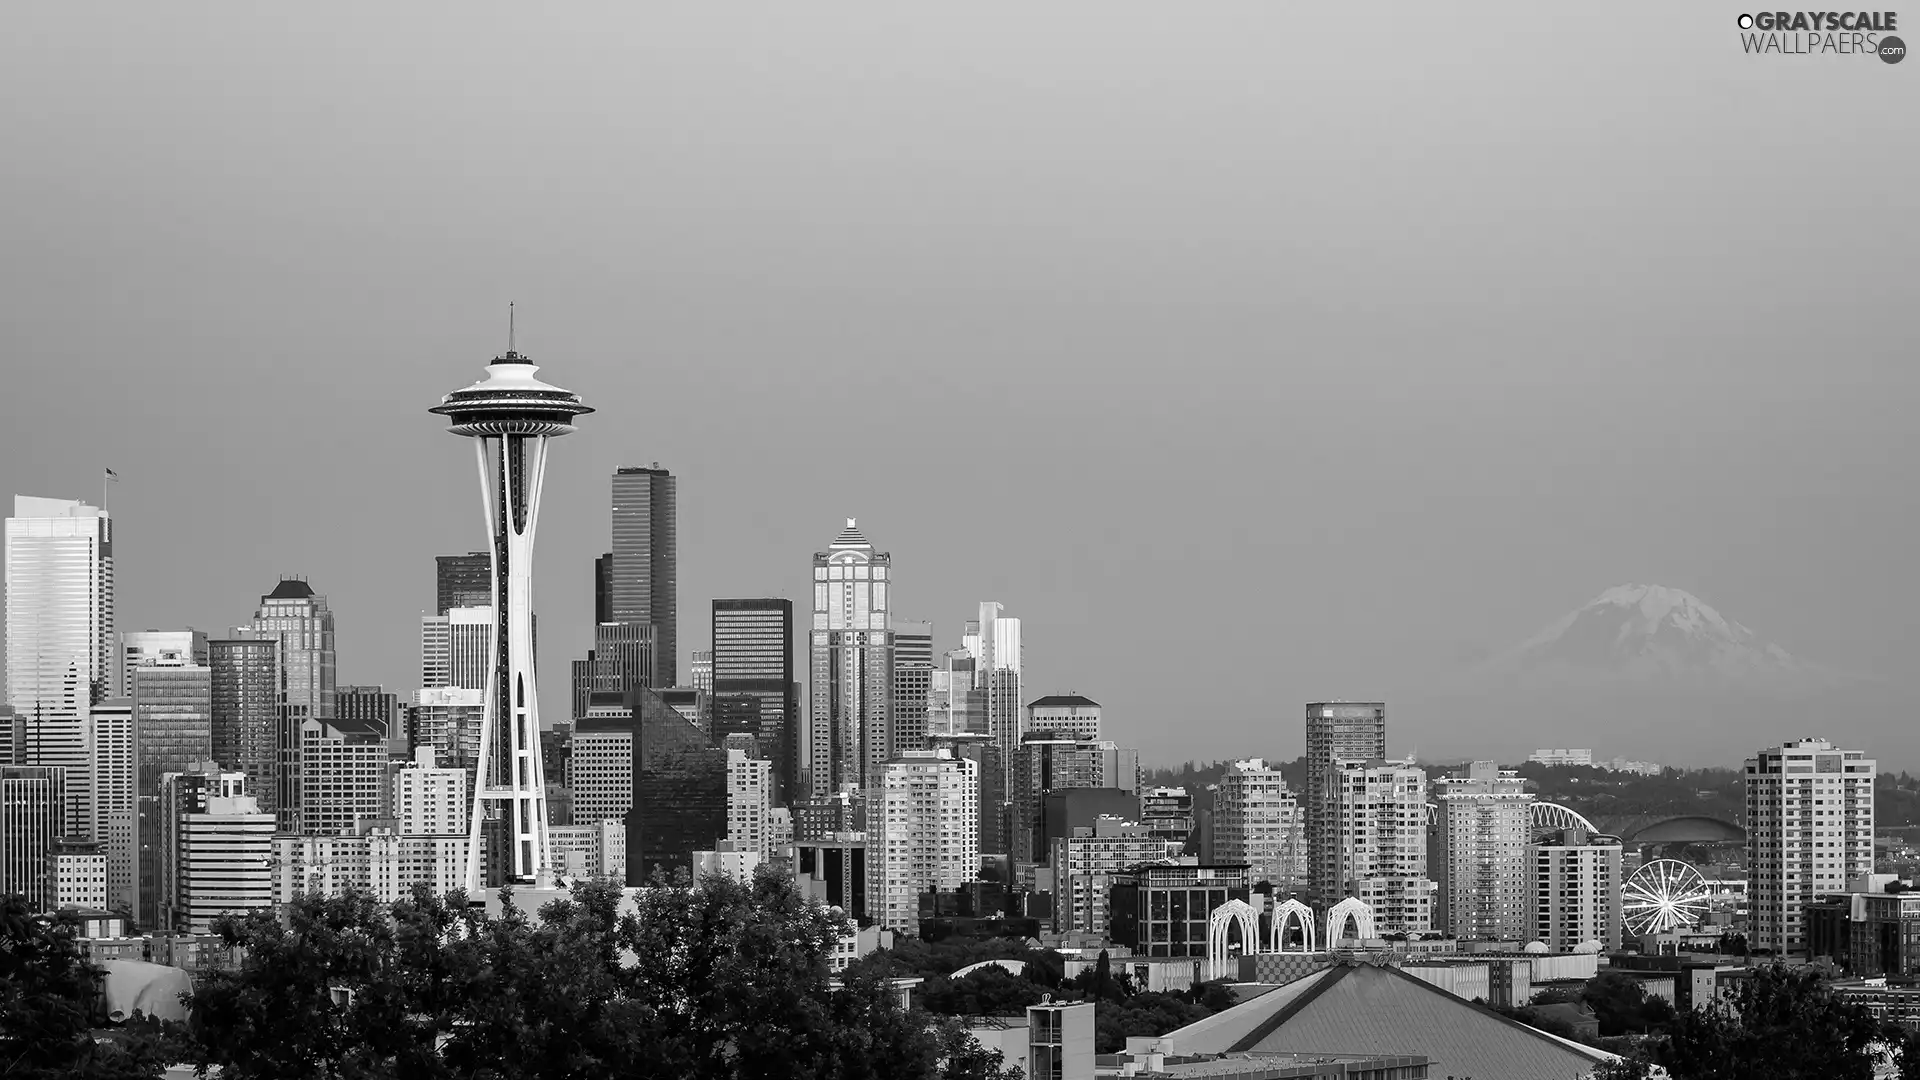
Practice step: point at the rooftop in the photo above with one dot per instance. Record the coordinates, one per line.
(1063, 701)
(291, 589)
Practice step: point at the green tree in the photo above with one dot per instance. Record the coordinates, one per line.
(1622, 1005)
(48, 993)
(1783, 1024)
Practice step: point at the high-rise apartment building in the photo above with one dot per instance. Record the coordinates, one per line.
(1381, 842)
(462, 581)
(33, 801)
(1479, 854)
(1168, 811)
(173, 732)
(447, 719)
(749, 798)
(922, 833)
(1809, 830)
(59, 577)
(245, 681)
(429, 799)
(297, 620)
(216, 850)
(1257, 820)
(115, 797)
(1069, 715)
(851, 666)
(912, 683)
(1574, 885)
(1336, 732)
(643, 565)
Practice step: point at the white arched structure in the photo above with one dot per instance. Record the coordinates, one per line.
(1277, 931)
(1548, 815)
(1219, 927)
(1011, 967)
(1352, 908)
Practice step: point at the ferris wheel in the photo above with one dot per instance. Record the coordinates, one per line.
(1663, 895)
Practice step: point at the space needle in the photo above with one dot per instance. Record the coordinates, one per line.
(510, 415)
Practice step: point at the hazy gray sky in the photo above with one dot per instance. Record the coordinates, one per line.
(1250, 353)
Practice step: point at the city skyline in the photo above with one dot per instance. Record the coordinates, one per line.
(1422, 419)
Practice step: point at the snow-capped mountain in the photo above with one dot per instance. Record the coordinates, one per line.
(1647, 634)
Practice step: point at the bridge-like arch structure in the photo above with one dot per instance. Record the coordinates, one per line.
(1553, 816)
(1352, 911)
(1283, 914)
(1219, 929)
(1011, 967)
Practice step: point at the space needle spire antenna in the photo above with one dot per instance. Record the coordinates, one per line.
(510, 416)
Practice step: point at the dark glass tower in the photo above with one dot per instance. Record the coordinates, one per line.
(246, 712)
(463, 581)
(642, 568)
(753, 659)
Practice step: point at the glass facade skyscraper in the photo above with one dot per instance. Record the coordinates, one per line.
(173, 733)
(297, 620)
(59, 576)
(753, 660)
(462, 581)
(1336, 732)
(850, 654)
(245, 679)
(642, 568)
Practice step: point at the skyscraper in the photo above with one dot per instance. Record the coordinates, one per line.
(343, 778)
(912, 683)
(850, 666)
(59, 577)
(32, 798)
(116, 800)
(1809, 829)
(1574, 885)
(994, 641)
(173, 732)
(1071, 715)
(139, 647)
(753, 659)
(296, 619)
(510, 415)
(368, 709)
(920, 833)
(245, 681)
(462, 581)
(216, 850)
(1380, 842)
(1336, 732)
(642, 566)
(1479, 859)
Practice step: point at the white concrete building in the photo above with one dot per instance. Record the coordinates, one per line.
(1257, 820)
(923, 832)
(428, 799)
(1484, 821)
(1574, 879)
(1380, 837)
(1809, 831)
(749, 799)
(1083, 865)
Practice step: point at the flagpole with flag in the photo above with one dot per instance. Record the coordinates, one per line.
(111, 478)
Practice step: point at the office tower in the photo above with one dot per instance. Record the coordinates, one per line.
(753, 660)
(1085, 862)
(469, 639)
(700, 670)
(994, 642)
(595, 851)
(1068, 715)
(1258, 821)
(644, 765)
(1573, 883)
(61, 743)
(116, 801)
(688, 702)
(462, 581)
(1162, 910)
(1809, 830)
(749, 798)
(734, 861)
(33, 801)
(216, 850)
(922, 833)
(642, 566)
(1045, 764)
(365, 708)
(146, 646)
(297, 621)
(244, 676)
(1336, 732)
(621, 658)
(1479, 854)
(343, 778)
(955, 704)
(447, 719)
(912, 683)
(1380, 842)
(173, 732)
(429, 799)
(77, 875)
(850, 666)
(12, 734)
(1168, 811)
(59, 577)
(510, 415)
